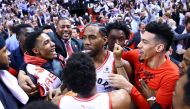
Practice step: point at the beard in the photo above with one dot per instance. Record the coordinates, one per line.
(4, 67)
(93, 53)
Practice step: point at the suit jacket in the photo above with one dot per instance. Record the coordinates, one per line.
(180, 29)
(60, 46)
(178, 37)
(136, 39)
(185, 37)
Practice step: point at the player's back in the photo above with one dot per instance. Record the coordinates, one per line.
(98, 101)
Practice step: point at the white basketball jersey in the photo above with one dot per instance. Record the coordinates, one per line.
(98, 101)
(102, 73)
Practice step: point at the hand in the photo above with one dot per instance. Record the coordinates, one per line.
(119, 81)
(117, 52)
(26, 84)
(53, 93)
(147, 92)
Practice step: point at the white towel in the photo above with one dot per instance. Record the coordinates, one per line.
(1, 106)
(45, 79)
(12, 84)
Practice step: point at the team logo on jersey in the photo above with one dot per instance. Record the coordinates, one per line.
(83, 107)
(106, 70)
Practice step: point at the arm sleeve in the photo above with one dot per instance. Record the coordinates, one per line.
(181, 36)
(141, 102)
(130, 56)
(139, 99)
(164, 93)
(136, 96)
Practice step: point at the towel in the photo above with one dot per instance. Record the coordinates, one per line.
(45, 79)
(12, 84)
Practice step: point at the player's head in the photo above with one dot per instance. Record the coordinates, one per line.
(118, 32)
(94, 39)
(80, 74)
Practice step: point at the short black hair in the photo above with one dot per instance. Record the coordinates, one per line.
(119, 26)
(46, 27)
(20, 28)
(162, 32)
(77, 29)
(102, 28)
(80, 73)
(63, 18)
(30, 41)
(187, 21)
(186, 96)
(41, 104)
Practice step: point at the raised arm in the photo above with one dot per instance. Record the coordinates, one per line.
(149, 14)
(122, 67)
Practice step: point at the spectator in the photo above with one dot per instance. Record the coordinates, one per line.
(75, 33)
(65, 45)
(17, 55)
(137, 36)
(12, 43)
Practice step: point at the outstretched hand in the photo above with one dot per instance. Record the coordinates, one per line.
(120, 81)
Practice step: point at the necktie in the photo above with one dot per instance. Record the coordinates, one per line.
(69, 49)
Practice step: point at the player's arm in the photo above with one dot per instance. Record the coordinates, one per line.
(26, 83)
(119, 81)
(121, 66)
(120, 99)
